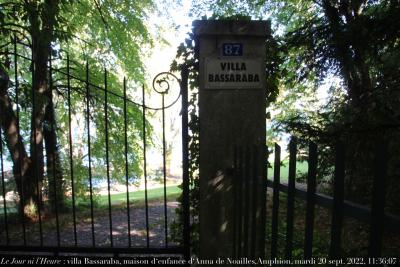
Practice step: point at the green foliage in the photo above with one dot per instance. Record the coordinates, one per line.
(186, 57)
(116, 130)
(105, 35)
(324, 39)
(228, 8)
(351, 47)
(112, 33)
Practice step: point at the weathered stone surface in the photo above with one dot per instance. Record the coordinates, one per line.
(229, 117)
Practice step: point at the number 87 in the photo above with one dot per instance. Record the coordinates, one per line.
(232, 49)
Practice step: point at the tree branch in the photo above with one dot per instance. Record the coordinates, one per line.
(101, 14)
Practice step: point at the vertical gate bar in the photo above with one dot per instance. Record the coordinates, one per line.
(54, 155)
(275, 203)
(19, 136)
(4, 190)
(145, 164)
(89, 152)
(240, 201)
(338, 198)
(71, 163)
(290, 198)
(127, 166)
(185, 164)
(164, 171)
(311, 186)
(246, 203)
(254, 180)
(107, 155)
(235, 201)
(378, 199)
(265, 154)
(38, 189)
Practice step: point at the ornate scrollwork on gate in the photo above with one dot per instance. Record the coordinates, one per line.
(162, 84)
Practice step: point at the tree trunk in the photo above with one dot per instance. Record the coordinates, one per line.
(354, 69)
(29, 171)
(352, 57)
(22, 164)
(54, 171)
(39, 103)
(42, 24)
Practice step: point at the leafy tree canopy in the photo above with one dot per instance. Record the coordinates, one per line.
(351, 46)
(108, 35)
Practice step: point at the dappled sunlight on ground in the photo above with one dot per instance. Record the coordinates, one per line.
(101, 228)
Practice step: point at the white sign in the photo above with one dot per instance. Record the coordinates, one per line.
(233, 73)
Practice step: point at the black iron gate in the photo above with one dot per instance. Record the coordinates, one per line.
(83, 227)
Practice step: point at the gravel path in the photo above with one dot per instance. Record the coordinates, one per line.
(102, 228)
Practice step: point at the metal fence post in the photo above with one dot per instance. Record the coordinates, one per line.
(185, 163)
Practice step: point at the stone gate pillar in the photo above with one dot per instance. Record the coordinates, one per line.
(232, 111)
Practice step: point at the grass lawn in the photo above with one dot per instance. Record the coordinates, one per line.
(301, 168)
(154, 194)
(157, 194)
(137, 197)
(118, 202)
